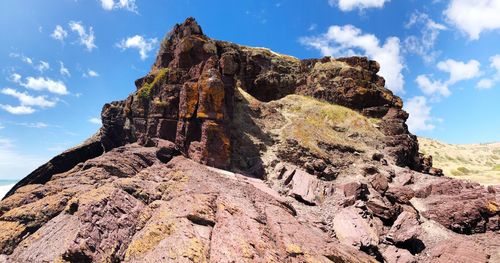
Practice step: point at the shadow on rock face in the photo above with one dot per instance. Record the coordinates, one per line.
(415, 246)
(248, 140)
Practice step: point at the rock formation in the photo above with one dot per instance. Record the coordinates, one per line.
(227, 153)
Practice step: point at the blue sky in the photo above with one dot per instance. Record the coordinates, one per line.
(61, 60)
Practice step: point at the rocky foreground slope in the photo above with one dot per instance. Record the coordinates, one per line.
(227, 153)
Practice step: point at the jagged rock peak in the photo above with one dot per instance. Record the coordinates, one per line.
(189, 28)
(324, 137)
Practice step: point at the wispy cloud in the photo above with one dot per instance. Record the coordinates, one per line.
(22, 57)
(63, 70)
(36, 125)
(140, 43)
(120, 4)
(42, 66)
(95, 120)
(458, 71)
(488, 83)
(423, 45)
(86, 39)
(90, 74)
(59, 33)
(348, 40)
(349, 5)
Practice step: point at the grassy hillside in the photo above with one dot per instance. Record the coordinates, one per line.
(477, 162)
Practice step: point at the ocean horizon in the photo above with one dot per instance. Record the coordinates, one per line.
(5, 186)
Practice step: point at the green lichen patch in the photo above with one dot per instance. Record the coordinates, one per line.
(146, 89)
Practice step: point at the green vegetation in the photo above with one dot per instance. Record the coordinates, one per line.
(312, 121)
(145, 91)
(496, 167)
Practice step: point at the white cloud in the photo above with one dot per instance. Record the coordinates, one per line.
(14, 164)
(423, 45)
(37, 125)
(23, 58)
(95, 120)
(43, 66)
(86, 39)
(495, 63)
(140, 43)
(41, 83)
(120, 4)
(63, 70)
(90, 74)
(346, 40)
(17, 110)
(349, 5)
(487, 83)
(15, 78)
(458, 71)
(420, 114)
(312, 27)
(59, 33)
(474, 16)
(431, 87)
(26, 100)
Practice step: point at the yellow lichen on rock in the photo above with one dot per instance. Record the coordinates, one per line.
(9, 232)
(196, 251)
(211, 102)
(294, 250)
(159, 228)
(492, 207)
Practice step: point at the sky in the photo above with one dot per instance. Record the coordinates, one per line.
(61, 60)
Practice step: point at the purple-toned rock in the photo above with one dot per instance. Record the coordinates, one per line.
(398, 255)
(380, 183)
(400, 194)
(352, 229)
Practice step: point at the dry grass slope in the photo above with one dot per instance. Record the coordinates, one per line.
(476, 162)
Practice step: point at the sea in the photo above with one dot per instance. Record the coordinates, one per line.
(5, 186)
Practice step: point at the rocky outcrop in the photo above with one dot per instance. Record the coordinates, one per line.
(130, 206)
(227, 153)
(189, 98)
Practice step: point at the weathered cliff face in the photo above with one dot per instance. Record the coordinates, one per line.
(317, 165)
(190, 94)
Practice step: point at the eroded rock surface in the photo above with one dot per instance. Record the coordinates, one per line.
(227, 153)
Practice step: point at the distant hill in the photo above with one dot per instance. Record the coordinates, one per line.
(477, 162)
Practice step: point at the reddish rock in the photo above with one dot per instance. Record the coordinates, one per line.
(398, 255)
(380, 183)
(460, 206)
(125, 195)
(352, 229)
(306, 188)
(405, 229)
(458, 251)
(400, 194)
(404, 178)
(383, 209)
(187, 215)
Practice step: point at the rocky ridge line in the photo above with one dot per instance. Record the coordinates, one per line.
(318, 163)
